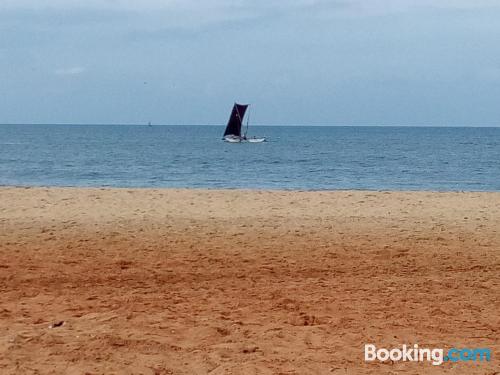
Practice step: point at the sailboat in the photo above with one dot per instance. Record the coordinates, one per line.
(234, 126)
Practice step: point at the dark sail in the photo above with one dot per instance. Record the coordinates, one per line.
(236, 120)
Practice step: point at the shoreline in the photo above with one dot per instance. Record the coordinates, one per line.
(277, 190)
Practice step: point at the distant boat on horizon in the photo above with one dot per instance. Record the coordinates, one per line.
(232, 134)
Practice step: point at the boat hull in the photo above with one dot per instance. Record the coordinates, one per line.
(236, 139)
(232, 139)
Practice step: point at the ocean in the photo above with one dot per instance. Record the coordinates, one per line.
(295, 157)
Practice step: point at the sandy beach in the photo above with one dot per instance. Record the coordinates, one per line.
(244, 282)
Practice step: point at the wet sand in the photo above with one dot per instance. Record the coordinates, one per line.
(244, 282)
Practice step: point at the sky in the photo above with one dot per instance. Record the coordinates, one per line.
(303, 62)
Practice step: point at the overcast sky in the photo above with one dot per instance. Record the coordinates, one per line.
(340, 62)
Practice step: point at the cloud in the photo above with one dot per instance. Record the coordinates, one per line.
(153, 15)
(150, 14)
(148, 5)
(201, 6)
(396, 6)
(70, 71)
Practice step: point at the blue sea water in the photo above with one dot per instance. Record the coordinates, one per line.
(296, 157)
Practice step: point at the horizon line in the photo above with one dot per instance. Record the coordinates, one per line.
(261, 125)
